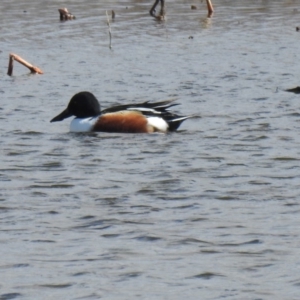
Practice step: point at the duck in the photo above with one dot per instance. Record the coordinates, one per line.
(146, 117)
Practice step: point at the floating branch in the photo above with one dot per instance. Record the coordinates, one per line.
(19, 59)
(65, 14)
(109, 29)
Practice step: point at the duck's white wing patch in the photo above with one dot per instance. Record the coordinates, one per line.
(83, 125)
(144, 109)
(158, 123)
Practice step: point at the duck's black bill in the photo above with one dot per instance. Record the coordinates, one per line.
(63, 115)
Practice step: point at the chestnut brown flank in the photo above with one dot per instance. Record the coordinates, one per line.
(123, 121)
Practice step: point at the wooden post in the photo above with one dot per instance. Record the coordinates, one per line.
(19, 59)
(10, 65)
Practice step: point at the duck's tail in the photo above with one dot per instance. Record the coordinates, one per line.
(176, 121)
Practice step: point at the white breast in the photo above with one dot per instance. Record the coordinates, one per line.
(83, 125)
(158, 123)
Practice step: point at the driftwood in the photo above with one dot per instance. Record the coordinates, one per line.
(22, 61)
(65, 14)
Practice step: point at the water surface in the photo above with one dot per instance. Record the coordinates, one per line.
(209, 212)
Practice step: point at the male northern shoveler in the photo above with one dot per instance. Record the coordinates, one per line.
(144, 117)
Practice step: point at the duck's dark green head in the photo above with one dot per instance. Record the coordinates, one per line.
(81, 105)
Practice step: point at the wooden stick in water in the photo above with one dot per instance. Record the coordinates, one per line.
(22, 61)
(210, 8)
(162, 13)
(109, 30)
(10, 65)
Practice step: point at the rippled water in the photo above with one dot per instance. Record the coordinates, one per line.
(209, 212)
